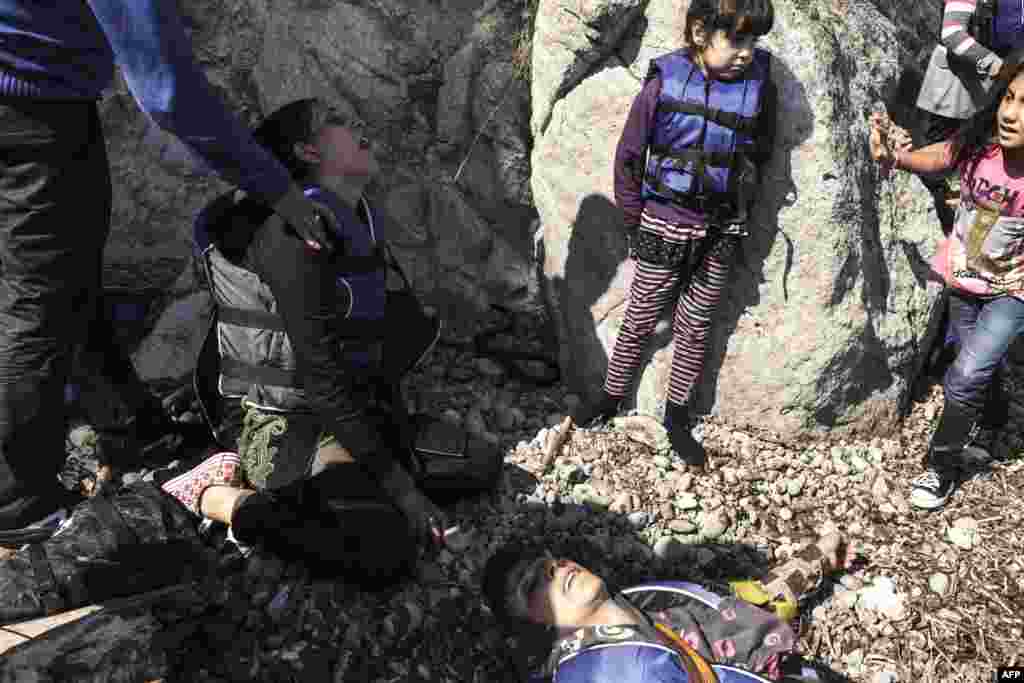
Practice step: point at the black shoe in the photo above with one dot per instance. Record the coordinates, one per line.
(35, 517)
(931, 490)
(677, 422)
(599, 411)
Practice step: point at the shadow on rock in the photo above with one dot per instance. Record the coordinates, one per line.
(778, 190)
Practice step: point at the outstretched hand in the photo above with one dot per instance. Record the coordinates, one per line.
(886, 139)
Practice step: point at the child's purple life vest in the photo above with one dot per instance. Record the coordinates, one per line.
(702, 129)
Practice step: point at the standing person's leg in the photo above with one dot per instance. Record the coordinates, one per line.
(987, 330)
(54, 219)
(690, 332)
(653, 286)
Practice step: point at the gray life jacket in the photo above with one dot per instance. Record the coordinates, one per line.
(256, 358)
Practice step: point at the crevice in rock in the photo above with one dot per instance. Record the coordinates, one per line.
(605, 44)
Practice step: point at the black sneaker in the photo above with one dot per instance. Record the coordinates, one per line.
(932, 489)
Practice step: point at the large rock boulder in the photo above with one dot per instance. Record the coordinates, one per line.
(828, 303)
(436, 83)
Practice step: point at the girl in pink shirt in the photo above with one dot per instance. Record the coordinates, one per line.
(984, 267)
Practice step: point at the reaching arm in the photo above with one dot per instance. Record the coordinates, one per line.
(931, 159)
(955, 19)
(149, 42)
(896, 151)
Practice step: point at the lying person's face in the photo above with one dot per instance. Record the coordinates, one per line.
(561, 592)
(345, 150)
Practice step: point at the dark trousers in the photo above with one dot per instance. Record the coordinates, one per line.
(54, 219)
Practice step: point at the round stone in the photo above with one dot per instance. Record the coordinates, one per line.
(939, 583)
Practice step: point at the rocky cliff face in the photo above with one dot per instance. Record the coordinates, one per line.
(437, 84)
(826, 315)
(829, 300)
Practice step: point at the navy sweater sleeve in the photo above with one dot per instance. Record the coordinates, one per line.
(149, 42)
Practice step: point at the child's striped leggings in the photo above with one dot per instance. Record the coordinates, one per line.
(653, 286)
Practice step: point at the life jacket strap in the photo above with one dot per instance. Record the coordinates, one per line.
(356, 265)
(248, 317)
(728, 119)
(257, 374)
(713, 205)
(683, 157)
(356, 330)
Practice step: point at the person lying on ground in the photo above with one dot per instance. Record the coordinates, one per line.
(600, 636)
(145, 536)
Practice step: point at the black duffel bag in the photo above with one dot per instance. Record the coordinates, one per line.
(446, 461)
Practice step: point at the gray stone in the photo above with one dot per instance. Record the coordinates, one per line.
(682, 526)
(963, 533)
(475, 423)
(847, 347)
(847, 600)
(858, 464)
(586, 494)
(622, 503)
(939, 583)
(638, 520)
(508, 417)
(169, 352)
(669, 549)
(489, 368)
(571, 516)
(646, 430)
(687, 501)
(713, 524)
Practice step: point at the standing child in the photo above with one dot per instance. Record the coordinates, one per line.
(686, 168)
(985, 270)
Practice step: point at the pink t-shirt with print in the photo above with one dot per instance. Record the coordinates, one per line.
(986, 248)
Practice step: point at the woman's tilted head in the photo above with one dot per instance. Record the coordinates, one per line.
(721, 34)
(314, 140)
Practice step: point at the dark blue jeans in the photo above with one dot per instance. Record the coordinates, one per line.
(987, 328)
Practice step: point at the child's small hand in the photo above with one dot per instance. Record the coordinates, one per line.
(881, 150)
(899, 138)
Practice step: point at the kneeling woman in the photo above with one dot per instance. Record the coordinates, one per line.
(300, 339)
